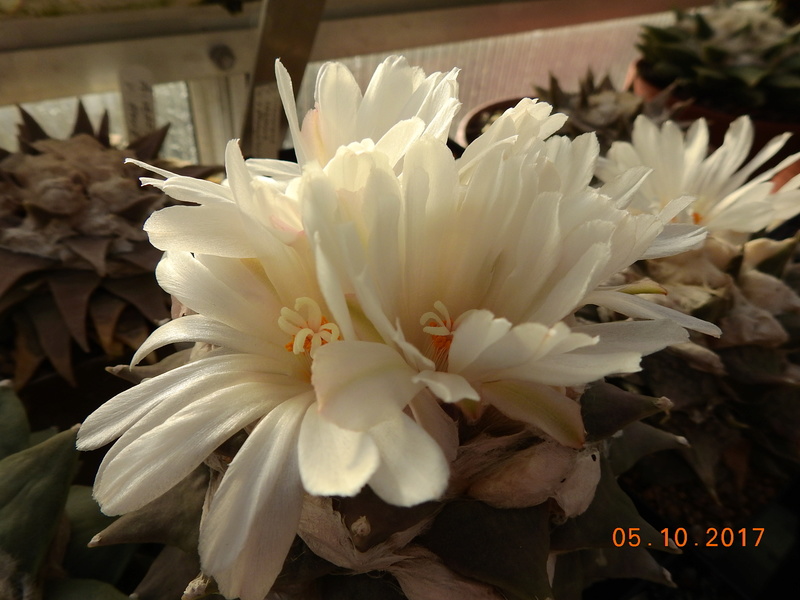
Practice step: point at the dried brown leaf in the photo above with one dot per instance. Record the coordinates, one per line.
(28, 353)
(143, 255)
(105, 310)
(71, 292)
(15, 265)
(172, 519)
(52, 334)
(29, 130)
(92, 249)
(167, 578)
(132, 330)
(82, 122)
(141, 292)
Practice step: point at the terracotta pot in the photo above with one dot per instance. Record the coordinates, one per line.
(473, 123)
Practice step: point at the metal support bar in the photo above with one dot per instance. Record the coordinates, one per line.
(288, 29)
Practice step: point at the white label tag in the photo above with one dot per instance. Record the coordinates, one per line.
(268, 124)
(138, 105)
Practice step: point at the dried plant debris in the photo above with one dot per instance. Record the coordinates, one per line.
(76, 269)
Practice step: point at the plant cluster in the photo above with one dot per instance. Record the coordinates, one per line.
(740, 56)
(603, 109)
(76, 269)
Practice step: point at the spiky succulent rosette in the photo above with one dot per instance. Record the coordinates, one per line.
(604, 109)
(351, 321)
(745, 287)
(75, 267)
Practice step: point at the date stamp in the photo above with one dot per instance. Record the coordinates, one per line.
(714, 538)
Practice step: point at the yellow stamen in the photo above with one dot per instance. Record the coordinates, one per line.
(308, 332)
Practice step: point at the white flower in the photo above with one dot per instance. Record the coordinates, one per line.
(468, 272)
(256, 378)
(399, 105)
(343, 305)
(729, 200)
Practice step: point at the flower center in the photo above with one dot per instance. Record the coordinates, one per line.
(440, 327)
(307, 326)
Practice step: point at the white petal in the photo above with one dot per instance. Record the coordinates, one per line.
(675, 239)
(253, 518)
(209, 229)
(474, 334)
(338, 98)
(360, 384)
(633, 306)
(163, 456)
(539, 405)
(334, 461)
(197, 328)
(270, 167)
(287, 98)
(117, 415)
(413, 468)
(448, 387)
(188, 189)
(238, 302)
(643, 337)
(577, 367)
(396, 142)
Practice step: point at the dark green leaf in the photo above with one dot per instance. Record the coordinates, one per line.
(173, 518)
(638, 440)
(749, 74)
(34, 485)
(14, 429)
(86, 521)
(610, 509)
(704, 30)
(606, 409)
(82, 589)
(507, 548)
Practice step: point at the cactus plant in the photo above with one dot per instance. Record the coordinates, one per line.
(75, 266)
(741, 56)
(604, 109)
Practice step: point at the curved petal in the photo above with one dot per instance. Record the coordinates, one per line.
(163, 456)
(253, 517)
(479, 330)
(209, 229)
(538, 405)
(117, 415)
(413, 468)
(643, 337)
(233, 303)
(334, 461)
(633, 306)
(197, 328)
(360, 384)
(449, 387)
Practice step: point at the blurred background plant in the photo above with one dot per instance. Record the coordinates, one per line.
(741, 57)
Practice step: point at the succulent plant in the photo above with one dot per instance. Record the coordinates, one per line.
(45, 520)
(75, 266)
(514, 501)
(604, 109)
(741, 57)
(735, 398)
